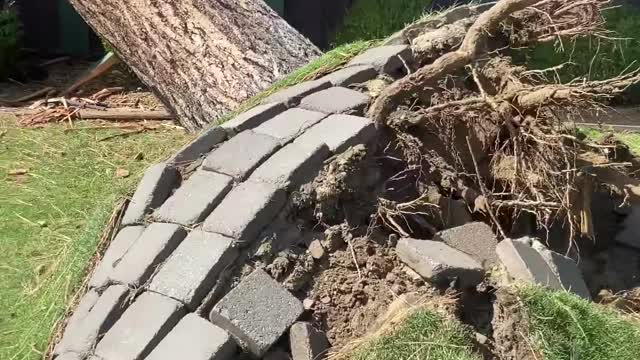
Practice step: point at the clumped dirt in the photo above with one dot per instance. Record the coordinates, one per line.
(510, 329)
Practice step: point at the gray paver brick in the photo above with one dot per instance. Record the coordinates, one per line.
(526, 264)
(143, 325)
(239, 156)
(154, 188)
(439, 262)
(105, 312)
(352, 75)
(336, 100)
(385, 59)
(76, 319)
(476, 239)
(290, 124)
(195, 338)
(291, 96)
(257, 312)
(339, 132)
(292, 165)
(253, 117)
(195, 199)
(200, 146)
(246, 210)
(70, 356)
(307, 343)
(565, 269)
(126, 237)
(154, 245)
(192, 269)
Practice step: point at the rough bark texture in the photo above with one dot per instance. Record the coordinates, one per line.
(200, 57)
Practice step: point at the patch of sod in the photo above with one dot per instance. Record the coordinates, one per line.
(52, 217)
(632, 140)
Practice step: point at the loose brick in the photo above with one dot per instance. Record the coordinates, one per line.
(145, 323)
(154, 188)
(106, 311)
(291, 96)
(76, 319)
(290, 124)
(526, 264)
(565, 269)
(257, 312)
(352, 75)
(336, 100)
(155, 244)
(307, 343)
(192, 269)
(339, 132)
(253, 118)
(239, 156)
(70, 356)
(195, 199)
(292, 165)
(195, 338)
(475, 239)
(247, 209)
(385, 59)
(438, 262)
(200, 146)
(126, 237)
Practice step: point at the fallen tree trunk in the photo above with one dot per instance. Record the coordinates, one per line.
(200, 57)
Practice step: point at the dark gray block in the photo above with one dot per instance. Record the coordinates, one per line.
(241, 155)
(476, 239)
(339, 132)
(385, 59)
(352, 75)
(195, 199)
(566, 270)
(247, 209)
(290, 124)
(253, 118)
(630, 233)
(76, 319)
(154, 188)
(195, 338)
(336, 100)
(192, 269)
(145, 323)
(200, 146)
(291, 96)
(438, 262)
(126, 237)
(154, 245)
(106, 311)
(257, 312)
(307, 343)
(523, 263)
(292, 165)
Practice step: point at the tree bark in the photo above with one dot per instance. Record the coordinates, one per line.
(200, 57)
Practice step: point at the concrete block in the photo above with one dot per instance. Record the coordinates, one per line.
(75, 321)
(200, 146)
(145, 323)
(292, 165)
(126, 237)
(290, 124)
(247, 209)
(475, 239)
(352, 75)
(106, 311)
(70, 356)
(253, 118)
(526, 264)
(192, 269)
(195, 199)
(156, 243)
(336, 100)
(241, 155)
(339, 132)
(291, 96)
(307, 343)
(257, 312)
(154, 188)
(195, 338)
(385, 59)
(565, 269)
(438, 262)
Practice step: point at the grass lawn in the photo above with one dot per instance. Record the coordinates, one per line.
(52, 217)
(632, 140)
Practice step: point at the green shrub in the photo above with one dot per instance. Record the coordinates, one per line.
(10, 36)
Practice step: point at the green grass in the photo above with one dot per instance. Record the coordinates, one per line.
(423, 335)
(51, 218)
(566, 327)
(632, 140)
